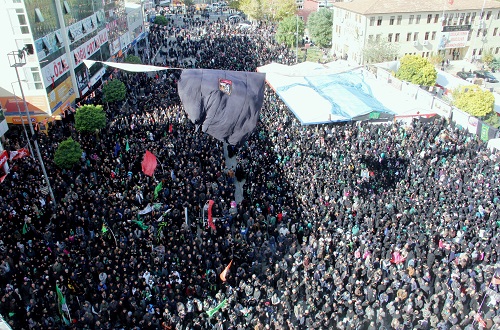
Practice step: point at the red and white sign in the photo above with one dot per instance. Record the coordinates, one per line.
(4, 156)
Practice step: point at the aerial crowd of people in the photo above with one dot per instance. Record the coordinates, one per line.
(340, 226)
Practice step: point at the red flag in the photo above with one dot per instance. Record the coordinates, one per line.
(2, 178)
(149, 163)
(450, 2)
(4, 156)
(224, 272)
(209, 211)
(21, 153)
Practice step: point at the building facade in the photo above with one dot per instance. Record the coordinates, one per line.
(457, 29)
(57, 36)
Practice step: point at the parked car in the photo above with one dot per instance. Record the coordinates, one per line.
(234, 18)
(486, 75)
(465, 75)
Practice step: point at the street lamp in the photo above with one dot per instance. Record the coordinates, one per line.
(22, 120)
(18, 59)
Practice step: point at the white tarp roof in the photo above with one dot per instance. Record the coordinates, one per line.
(318, 93)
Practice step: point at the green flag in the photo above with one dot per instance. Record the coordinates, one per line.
(216, 308)
(127, 147)
(25, 228)
(104, 229)
(141, 224)
(158, 189)
(63, 307)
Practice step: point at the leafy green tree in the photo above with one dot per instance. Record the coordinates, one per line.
(113, 91)
(90, 118)
(277, 10)
(377, 51)
(488, 58)
(417, 70)
(68, 153)
(255, 9)
(161, 20)
(234, 4)
(492, 120)
(320, 26)
(436, 59)
(287, 30)
(188, 3)
(473, 100)
(133, 59)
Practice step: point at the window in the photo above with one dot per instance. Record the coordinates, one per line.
(429, 18)
(436, 18)
(418, 19)
(496, 50)
(372, 21)
(400, 18)
(389, 37)
(370, 37)
(426, 36)
(379, 21)
(478, 32)
(396, 38)
(433, 37)
(377, 37)
(495, 31)
(23, 22)
(473, 17)
(410, 20)
(408, 36)
(488, 15)
(480, 52)
(498, 15)
(37, 78)
(415, 36)
(391, 20)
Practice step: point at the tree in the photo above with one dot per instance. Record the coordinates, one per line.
(488, 58)
(90, 118)
(113, 91)
(320, 26)
(436, 59)
(68, 153)
(188, 3)
(161, 20)
(254, 9)
(377, 51)
(287, 30)
(133, 59)
(417, 70)
(278, 10)
(473, 100)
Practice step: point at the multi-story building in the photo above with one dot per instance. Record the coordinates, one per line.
(57, 36)
(457, 29)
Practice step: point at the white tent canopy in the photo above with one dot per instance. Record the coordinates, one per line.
(318, 93)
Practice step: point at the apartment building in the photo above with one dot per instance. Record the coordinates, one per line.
(457, 29)
(57, 36)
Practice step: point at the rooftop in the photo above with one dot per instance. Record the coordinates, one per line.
(367, 7)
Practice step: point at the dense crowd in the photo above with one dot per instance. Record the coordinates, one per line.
(352, 226)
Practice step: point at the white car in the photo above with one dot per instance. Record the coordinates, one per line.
(234, 18)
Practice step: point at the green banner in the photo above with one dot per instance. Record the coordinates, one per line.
(485, 129)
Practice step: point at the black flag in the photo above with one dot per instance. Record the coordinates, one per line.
(226, 104)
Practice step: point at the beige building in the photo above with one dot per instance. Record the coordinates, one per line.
(459, 29)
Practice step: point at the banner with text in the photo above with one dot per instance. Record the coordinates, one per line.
(60, 66)
(454, 36)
